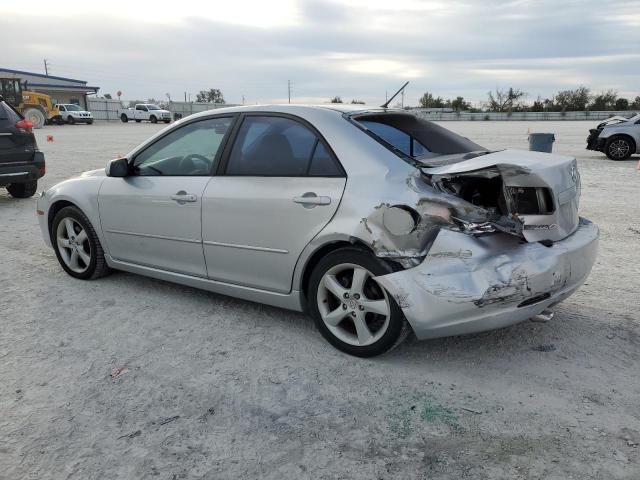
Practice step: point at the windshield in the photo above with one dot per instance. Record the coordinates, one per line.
(72, 108)
(153, 107)
(414, 138)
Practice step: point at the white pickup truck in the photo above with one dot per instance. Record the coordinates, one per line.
(145, 111)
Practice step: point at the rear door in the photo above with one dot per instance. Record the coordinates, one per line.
(279, 186)
(16, 144)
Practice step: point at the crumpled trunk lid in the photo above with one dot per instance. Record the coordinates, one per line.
(527, 177)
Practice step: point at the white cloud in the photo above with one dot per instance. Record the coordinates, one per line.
(352, 48)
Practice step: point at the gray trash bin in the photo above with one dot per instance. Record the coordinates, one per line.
(541, 142)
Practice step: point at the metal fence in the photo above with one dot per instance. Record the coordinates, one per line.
(104, 108)
(188, 108)
(107, 109)
(515, 116)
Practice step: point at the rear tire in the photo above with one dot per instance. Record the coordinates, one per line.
(35, 116)
(23, 190)
(358, 317)
(124, 118)
(72, 231)
(138, 121)
(619, 148)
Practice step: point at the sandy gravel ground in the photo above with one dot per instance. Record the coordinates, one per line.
(218, 388)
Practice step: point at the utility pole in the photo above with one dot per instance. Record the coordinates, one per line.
(46, 68)
(243, 99)
(289, 88)
(185, 97)
(402, 99)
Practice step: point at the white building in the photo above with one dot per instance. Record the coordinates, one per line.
(60, 89)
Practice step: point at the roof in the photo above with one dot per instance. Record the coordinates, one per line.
(32, 74)
(294, 108)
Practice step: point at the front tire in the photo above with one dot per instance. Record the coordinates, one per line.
(71, 120)
(36, 117)
(619, 148)
(77, 246)
(23, 190)
(153, 119)
(352, 311)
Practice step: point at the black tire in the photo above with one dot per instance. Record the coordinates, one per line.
(398, 327)
(23, 190)
(153, 119)
(167, 121)
(138, 121)
(89, 122)
(36, 115)
(124, 118)
(97, 265)
(619, 148)
(71, 120)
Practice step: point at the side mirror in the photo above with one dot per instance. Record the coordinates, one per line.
(118, 168)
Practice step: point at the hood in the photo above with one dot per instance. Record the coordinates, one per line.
(617, 120)
(540, 191)
(100, 172)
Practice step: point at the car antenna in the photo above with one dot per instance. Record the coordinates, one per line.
(386, 104)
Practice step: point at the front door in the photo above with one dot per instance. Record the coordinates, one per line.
(153, 216)
(280, 187)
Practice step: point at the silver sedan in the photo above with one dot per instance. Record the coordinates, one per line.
(375, 222)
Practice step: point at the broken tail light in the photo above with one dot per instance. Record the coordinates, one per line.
(530, 200)
(24, 124)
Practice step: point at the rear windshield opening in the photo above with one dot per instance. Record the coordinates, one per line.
(413, 137)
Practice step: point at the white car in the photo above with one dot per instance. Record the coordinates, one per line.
(145, 111)
(618, 137)
(72, 113)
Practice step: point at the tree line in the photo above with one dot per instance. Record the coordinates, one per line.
(514, 100)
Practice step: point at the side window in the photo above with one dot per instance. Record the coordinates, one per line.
(322, 163)
(141, 107)
(271, 146)
(190, 150)
(399, 139)
(61, 108)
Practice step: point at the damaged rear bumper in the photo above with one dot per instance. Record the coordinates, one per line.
(469, 284)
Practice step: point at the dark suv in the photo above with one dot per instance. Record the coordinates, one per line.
(21, 163)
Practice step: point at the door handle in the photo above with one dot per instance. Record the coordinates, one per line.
(183, 197)
(310, 200)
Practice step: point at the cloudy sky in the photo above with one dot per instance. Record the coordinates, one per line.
(357, 49)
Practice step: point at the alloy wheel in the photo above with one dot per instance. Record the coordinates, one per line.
(619, 149)
(73, 245)
(353, 306)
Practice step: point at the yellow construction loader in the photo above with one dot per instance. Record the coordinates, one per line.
(35, 106)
